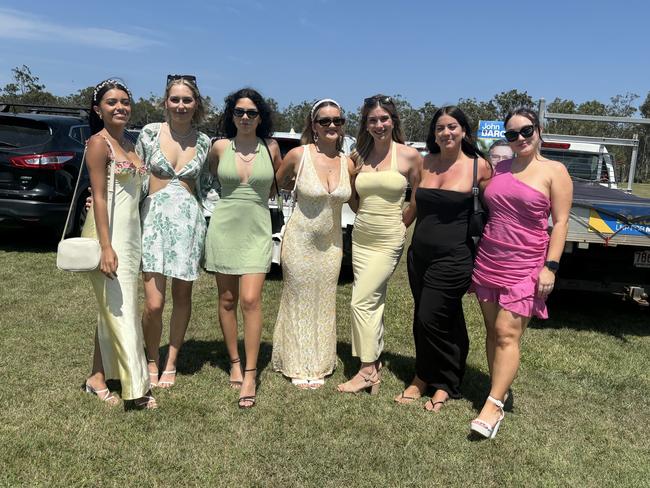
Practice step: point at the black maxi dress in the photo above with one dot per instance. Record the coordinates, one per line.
(440, 262)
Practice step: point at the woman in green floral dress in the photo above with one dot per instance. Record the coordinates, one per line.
(173, 225)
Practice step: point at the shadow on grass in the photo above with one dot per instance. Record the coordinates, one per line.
(474, 388)
(604, 313)
(28, 239)
(195, 354)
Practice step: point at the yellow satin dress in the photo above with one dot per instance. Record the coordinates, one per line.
(119, 328)
(377, 243)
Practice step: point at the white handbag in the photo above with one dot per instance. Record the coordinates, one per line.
(81, 254)
(277, 238)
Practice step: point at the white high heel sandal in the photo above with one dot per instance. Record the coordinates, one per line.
(483, 428)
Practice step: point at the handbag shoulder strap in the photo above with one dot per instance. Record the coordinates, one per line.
(305, 153)
(275, 180)
(110, 192)
(475, 188)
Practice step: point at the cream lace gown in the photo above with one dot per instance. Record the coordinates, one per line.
(304, 340)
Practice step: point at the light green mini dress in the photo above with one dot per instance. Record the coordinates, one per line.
(239, 235)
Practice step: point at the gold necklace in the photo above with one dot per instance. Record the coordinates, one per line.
(239, 154)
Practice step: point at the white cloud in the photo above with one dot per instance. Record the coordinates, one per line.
(18, 25)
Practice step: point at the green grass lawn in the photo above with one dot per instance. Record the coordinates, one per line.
(580, 415)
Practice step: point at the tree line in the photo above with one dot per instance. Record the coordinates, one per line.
(26, 88)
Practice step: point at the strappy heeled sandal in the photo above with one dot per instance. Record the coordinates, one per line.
(152, 375)
(147, 402)
(371, 384)
(235, 384)
(168, 384)
(247, 401)
(300, 383)
(104, 394)
(483, 428)
(316, 384)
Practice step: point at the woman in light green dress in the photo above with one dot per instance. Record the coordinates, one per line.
(119, 345)
(238, 243)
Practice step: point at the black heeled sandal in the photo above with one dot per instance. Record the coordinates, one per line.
(249, 400)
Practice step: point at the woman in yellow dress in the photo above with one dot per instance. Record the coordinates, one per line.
(383, 166)
(115, 222)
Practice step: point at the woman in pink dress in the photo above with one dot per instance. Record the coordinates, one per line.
(516, 263)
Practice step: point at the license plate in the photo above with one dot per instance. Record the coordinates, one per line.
(642, 259)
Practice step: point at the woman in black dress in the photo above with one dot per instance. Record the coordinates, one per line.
(440, 258)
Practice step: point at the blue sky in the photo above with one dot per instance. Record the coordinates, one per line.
(294, 50)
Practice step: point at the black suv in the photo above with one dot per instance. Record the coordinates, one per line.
(40, 156)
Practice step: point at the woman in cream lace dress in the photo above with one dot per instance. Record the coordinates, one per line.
(304, 340)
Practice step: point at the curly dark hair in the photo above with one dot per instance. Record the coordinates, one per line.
(227, 126)
(468, 144)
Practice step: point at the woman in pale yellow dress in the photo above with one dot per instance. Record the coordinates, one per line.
(383, 166)
(119, 345)
(304, 339)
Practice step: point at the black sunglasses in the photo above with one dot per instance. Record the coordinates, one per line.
(327, 121)
(190, 78)
(377, 99)
(239, 112)
(526, 132)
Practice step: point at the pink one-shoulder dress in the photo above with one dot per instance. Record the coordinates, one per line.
(513, 248)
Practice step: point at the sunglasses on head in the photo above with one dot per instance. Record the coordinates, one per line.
(239, 112)
(526, 132)
(327, 121)
(377, 99)
(190, 78)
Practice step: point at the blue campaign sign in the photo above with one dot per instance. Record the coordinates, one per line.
(490, 129)
(603, 219)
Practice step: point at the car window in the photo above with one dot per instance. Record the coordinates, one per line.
(581, 165)
(80, 133)
(17, 132)
(287, 145)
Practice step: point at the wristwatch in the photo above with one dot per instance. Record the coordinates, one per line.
(552, 265)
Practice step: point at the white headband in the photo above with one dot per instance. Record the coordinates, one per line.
(321, 102)
(110, 81)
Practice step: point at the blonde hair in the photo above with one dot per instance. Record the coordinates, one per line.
(307, 136)
(199, 112)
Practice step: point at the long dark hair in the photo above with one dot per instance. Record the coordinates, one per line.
(365, 142)
(468, 144)
(227, 126)
(97, 124)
